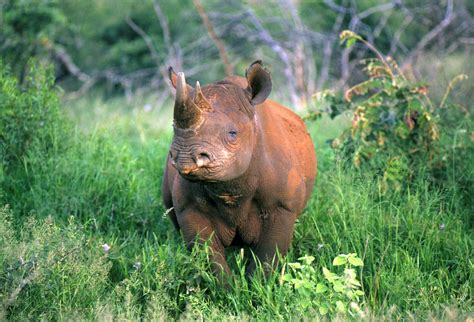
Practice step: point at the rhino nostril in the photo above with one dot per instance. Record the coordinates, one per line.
(172, 158)
(204, 155)
(203, 159)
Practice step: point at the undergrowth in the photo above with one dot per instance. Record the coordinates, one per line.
(84, 236)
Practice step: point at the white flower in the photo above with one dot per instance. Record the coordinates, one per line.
(137, 265)
(147, 108)
(106, 247)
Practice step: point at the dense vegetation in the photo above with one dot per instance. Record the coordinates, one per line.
(388, 232)
(85, 235)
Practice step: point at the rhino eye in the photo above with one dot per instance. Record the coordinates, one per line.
(232, 135)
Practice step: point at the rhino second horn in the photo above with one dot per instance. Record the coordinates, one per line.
(200, 100)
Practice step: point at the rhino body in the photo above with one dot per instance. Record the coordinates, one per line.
(241, 167)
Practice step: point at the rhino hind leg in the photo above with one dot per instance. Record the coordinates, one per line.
(276, 236)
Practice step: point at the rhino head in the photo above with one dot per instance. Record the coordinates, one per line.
(215, 129)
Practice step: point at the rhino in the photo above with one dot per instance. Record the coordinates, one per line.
(240, 169)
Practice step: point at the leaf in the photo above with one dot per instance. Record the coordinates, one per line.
(326, 272)
(340, 307)
(297, 283)
(356, 261)
(350, 274)
(295, 265)
(321, 288)
(307, 259)
(287, 277)
(330, 276)
(323, 310)
(350, 42)
(340, 260)
(338, 287)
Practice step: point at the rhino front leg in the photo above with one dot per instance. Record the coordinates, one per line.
(276, 235)
(196, 226)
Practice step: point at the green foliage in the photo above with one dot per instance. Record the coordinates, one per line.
(49, 266)
(29, 118)
(47, 169)
(28, 29)
(395, 127)
(335, 294)
(31, 127)
(416, 244)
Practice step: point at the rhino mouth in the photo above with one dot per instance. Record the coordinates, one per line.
(195, 173)
(197, 176)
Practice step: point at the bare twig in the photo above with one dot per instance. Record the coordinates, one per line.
(396, 38)
(164, 27)
(268, 40)
(61, 54)
(302, 55)
(328, 50)
(379, 8)
(229, 69)
(146, 38)
(448, 18)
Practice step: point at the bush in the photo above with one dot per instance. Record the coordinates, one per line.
(49, 266)
(29, 29)
(31, 127)
(29, 118)
(47, 169)
(337, 294)
(396, 129)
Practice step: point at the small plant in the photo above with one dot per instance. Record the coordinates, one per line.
(395, 126)
(332, 293)
(50, 266)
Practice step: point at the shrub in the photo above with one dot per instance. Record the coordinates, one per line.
(49, 266)
(29, 29)
(332, 294)
(47, 169)
(31, 127)
(395, 127)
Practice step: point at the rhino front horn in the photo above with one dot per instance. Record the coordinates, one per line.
(186, 113)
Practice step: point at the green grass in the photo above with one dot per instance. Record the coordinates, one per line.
(104, 187)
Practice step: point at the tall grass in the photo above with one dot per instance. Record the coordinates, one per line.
(85, 237)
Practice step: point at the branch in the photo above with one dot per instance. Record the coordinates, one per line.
(146, 38)
(149, 43)
(265, 37)
(303, 59)
(229, 70)
(61, 54)
(380, 8)
(448, 18)
(164, 27)
(398, 34)
(335, 7)
(328, 50)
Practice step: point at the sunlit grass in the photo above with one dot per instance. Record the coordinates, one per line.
(416, 245)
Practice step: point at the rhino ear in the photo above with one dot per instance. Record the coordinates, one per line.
(174, 79)
(173, 76)
(259, 82)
